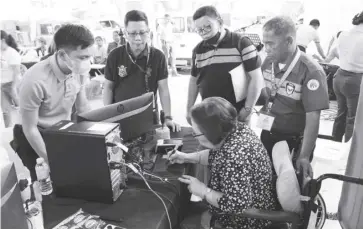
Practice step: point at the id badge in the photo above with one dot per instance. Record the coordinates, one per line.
(265, 121)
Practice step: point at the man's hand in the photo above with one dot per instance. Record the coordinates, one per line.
(244, 115)
(175, 127)
(194, 185)
(303, 165)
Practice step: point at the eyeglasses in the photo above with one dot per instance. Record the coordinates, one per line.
(194, 135)
(141, 33)
(204, 29)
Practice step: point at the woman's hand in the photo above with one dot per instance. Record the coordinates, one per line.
(177, 157)
(194, 185)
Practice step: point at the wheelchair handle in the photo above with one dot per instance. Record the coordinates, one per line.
(344, 178)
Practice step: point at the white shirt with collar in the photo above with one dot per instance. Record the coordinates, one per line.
(350, 49)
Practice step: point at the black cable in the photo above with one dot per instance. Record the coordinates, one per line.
(163, 195)
(158, 196)
(133, 168)
(31, 224)
(176, 191)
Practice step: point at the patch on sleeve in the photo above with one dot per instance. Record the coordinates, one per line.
(313, 85)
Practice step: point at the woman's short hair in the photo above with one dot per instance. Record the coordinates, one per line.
(9, 40)
(209, 11)
(358, 19)
(135, 15)
(98, 37)
(215, 117)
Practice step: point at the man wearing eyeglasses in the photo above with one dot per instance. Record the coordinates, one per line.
(136, 68)
(219, 64)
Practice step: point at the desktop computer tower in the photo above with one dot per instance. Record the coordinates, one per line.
(79, 160)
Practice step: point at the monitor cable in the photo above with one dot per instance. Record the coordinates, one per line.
(135, 170)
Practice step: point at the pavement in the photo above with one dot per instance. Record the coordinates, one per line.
(330, 157)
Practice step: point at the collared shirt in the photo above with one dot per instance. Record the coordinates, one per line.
(213, 65)
(304, 90)
(350, 56)
(99, 54)
(128, 78)
(8, 58)
(241, 170)
(48, 90)
(306, 34)
(166, 32)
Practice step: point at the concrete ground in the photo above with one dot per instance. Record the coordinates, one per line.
(330, 157)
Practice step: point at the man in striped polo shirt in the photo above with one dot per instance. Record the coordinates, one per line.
(295, 93)
(220, 62)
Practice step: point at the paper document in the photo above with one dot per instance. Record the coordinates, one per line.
(240, 82)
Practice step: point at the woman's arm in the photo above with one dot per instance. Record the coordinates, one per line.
(200, 157)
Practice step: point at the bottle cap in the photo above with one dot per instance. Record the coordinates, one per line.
(40, 160)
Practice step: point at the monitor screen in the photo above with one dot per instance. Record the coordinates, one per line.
(134, 115)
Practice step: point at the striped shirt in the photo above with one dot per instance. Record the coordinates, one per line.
(304, 90)
(212, 65)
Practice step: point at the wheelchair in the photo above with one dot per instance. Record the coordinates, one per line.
(312, 215)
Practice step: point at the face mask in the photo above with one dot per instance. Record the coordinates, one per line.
(79, 67)
(214, 40)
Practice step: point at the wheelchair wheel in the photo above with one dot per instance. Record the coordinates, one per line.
(321, 217)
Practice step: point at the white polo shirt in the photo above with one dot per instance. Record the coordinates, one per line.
(48, 90)
(306, 34)
(8, 58)
(350, 49)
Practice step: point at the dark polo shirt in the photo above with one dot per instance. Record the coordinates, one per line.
(213, 65)
(128, 78)
(304, 90)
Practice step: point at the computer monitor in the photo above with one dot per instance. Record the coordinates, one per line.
(134, 115)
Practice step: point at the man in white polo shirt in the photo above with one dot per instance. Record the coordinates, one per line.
(51, 88)
(308, 33)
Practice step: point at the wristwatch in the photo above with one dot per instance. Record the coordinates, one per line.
(206, 193)
(169, 117)
(248, 109)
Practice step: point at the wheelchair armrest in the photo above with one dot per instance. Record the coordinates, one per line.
(275, 216)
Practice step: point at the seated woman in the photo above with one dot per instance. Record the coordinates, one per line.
(241, 171)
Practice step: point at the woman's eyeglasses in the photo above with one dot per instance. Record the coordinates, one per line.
(141, 33)
(204, 29)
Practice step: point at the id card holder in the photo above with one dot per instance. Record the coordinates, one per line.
(265, 120)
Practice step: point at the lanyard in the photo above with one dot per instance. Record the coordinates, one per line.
(275, 83)
(146, 70)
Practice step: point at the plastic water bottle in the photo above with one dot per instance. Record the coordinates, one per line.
(42, 171)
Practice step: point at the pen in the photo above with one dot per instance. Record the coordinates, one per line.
(172, 152)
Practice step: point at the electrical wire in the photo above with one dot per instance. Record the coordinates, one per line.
(31, 224)
(133, 168)
(157, 195)
(163, 195)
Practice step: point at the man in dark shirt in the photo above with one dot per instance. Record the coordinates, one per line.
(295, 93)
(136, 68)
(118, 40)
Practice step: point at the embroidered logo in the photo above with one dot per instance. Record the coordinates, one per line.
(313, 85)
(290, 88)
(122, 71)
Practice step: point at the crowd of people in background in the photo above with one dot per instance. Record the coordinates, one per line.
(229, 74)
